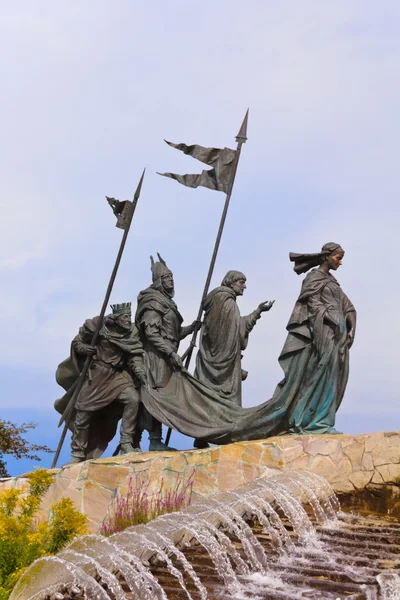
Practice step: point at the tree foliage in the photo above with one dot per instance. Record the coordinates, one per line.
(23, 537)
(13, 443)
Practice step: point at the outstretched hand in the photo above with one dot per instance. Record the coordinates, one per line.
(265, 306)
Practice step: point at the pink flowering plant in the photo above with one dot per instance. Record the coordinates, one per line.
(140, 506)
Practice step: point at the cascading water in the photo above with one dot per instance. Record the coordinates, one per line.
(277, 538)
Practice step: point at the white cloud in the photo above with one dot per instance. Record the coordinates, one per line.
(89, 93)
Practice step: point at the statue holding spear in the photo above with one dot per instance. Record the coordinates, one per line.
(221, 178)
(112, 367)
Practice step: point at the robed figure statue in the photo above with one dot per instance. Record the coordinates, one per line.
(315, 360)
(224, 336)
(315, 357)
(160, 325)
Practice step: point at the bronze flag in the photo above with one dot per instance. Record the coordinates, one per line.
(217, 178)
(123, 210)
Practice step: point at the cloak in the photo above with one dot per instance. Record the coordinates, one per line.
(108, 378)
(315, 360)
(224, 336)
(160, 325)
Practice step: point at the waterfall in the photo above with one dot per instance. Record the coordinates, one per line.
(281, 537)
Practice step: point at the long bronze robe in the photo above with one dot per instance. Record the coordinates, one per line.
(315, 360)
(160, 324)
(315, 357)
(224, 335)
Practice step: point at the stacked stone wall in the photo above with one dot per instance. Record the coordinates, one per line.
(350, 463)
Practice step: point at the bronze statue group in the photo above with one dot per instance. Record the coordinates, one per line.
(137, 376)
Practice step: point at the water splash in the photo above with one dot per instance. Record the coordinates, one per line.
(240, 529)
(292, 508)
(203, 531)
(92, 567)
(288, 553)
(139, 579)
(173, 550)
(389, 584)
(127, 540)
(52, 571)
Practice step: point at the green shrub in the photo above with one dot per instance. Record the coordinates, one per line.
(22, 539)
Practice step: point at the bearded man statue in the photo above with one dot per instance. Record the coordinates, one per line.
(110, 391)
(224, 336)
(160, 325)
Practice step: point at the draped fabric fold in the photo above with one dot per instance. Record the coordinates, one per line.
(224, 336)
(315, 361)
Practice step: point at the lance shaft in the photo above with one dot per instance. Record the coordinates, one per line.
(187, 356)
(68, 412)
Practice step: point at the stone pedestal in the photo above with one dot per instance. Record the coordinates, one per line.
(348, 462)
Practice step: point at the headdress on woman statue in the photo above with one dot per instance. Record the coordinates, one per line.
(121, 309)
(305, 262)
(158, 269)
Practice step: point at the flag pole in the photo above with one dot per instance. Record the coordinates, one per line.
(124, 222)
(241, 138)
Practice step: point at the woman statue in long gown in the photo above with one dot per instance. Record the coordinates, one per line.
(315, 360)
(315, 357)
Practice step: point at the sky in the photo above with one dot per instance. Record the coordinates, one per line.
(89, 91)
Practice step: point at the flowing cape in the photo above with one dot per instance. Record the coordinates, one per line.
(160, 325)
(152, 299)
(218, 360)
(104, 421)
(224, 335)
(192, 408)
(314, 360)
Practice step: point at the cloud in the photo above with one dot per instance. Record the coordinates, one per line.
(91, 91)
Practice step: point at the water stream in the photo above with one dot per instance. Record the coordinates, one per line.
(277, 538)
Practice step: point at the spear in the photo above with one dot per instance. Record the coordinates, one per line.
(124, 212)
(240, 139)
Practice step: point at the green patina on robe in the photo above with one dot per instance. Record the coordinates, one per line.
(315, 360)
(315, 357)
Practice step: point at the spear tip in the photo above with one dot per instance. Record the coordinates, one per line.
(139, 187)
(242, 135)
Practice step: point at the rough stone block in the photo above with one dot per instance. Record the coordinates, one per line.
(367, 464)
(109, 476)
(374, 439)
(301, 462)
(229, 471)
(273, 456)
(383, 455)
(355, 452)
(95, 501)
(360, 479)
(348, 462)
(204, 483)
(323, 446)
(322, 465)
(292, 452)
(390, 473)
